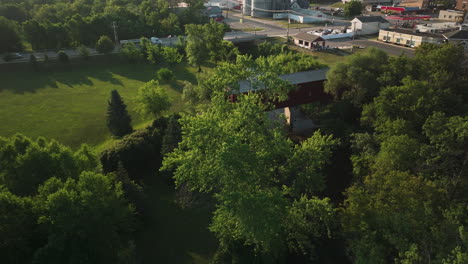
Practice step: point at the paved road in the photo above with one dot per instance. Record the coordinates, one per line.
(272, 29)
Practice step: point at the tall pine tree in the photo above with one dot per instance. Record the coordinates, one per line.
(118, 119)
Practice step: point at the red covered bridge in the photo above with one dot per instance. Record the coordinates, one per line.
(309, 84)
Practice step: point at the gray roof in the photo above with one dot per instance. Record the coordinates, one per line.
(370, 19)
(414, 33)
(293, 78)
(457, 34)
(308, 37)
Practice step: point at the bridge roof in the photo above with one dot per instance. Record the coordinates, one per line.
(293, 78)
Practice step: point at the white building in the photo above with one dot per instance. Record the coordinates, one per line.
(365, 25)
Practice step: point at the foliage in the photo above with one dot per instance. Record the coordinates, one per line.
(353, 8)
(118, 119)
(87, 219)
(84, 52)
(165, 75)
(25, 164)
(59, 24)
(172, 135)
(203, 42)
(260, 73)
(136, 153)
(105, 45)
(17, 228)
(62, 56)
(266, 49)
(356, 79)
(391, 213)
(152, 99)
(33, 60)
(407, 204)
(249, 169)
(10, 40)
(131, 53)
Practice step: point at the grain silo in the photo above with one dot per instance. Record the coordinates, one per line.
(264, 8)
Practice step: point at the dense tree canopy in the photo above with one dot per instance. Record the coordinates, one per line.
(259, 178)
(87, 220)
(409, 201)
(59, 24)
(25, 164)
(10, 40)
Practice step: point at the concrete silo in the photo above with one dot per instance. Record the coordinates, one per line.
(263, 8)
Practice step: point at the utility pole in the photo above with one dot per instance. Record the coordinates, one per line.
(116, 38)
(354, 34)
(242, 13)
(287, 33)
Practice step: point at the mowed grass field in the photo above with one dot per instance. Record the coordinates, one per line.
(70, 104)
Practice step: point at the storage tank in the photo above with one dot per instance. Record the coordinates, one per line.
(263, 8)
(246, 4)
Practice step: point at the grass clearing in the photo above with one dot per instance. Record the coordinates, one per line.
(250, 29)
(293, 24)
(329, 58)
(70, 104)
(337, 5)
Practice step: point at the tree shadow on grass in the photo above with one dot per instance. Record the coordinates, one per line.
(24, 79)
(30, 82)
(172, 234)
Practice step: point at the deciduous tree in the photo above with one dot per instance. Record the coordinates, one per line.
(152, 99)
(105, 45)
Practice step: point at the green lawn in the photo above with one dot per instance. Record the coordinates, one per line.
(250, 29)
(338, 5)
(329, 58)
(69, 104)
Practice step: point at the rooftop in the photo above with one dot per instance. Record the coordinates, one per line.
(457, 34)
(308, 37)
(369, 19)
(414, 33)
(293, 78)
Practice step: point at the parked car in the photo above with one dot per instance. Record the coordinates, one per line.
(155, 40)
(12, 56)
(238, 7)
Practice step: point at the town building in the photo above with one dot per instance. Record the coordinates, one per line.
(437, 27)
(462, 5)
(410, 38)
(453, 16)
(309, 41)
(459, 36)
(421, 4)
(366, 25)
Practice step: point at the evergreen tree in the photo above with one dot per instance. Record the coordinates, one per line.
(118, 119)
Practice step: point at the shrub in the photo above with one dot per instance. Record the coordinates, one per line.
(62, 56)
(105, 45)
(7, 57)
(33, 61)
(137, 153)
(171, 55)
(164, 74)
(84, 52)
(130, 52)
